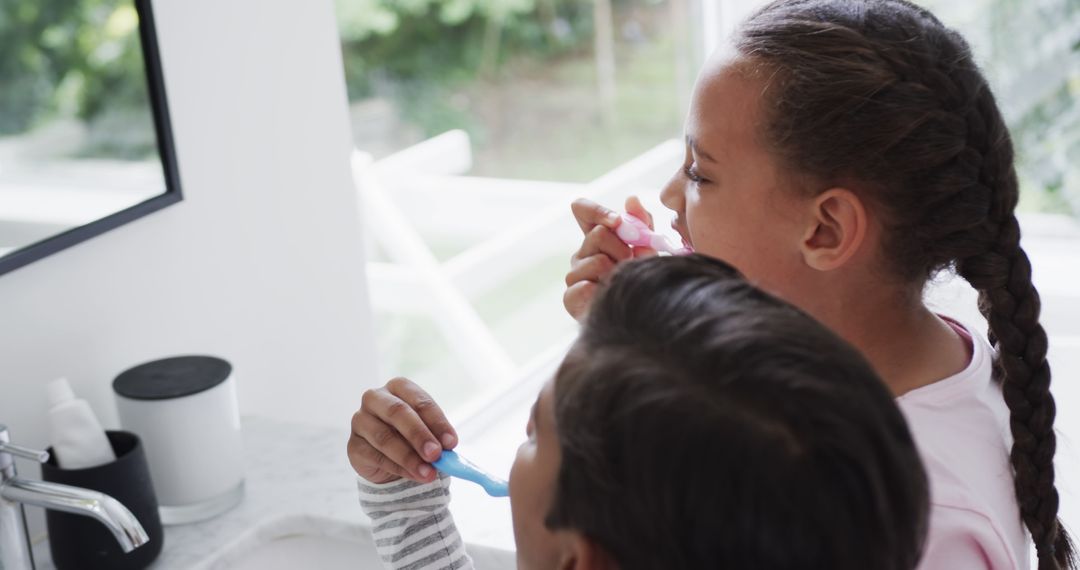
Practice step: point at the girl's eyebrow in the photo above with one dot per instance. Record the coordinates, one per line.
(697, 150)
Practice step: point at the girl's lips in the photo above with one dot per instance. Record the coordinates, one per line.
(678, 227)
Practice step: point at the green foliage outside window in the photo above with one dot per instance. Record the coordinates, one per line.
(417, 52)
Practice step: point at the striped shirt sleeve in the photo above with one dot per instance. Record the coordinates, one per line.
(412, 526)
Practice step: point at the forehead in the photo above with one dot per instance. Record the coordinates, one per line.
(725, 110)
(544, 407)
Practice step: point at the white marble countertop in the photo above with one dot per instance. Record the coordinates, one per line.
(298, 479)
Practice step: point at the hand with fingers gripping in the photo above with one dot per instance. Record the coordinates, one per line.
(600, 251)
(397, 432)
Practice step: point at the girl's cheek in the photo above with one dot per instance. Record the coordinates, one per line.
(697, 215)
(701, 226)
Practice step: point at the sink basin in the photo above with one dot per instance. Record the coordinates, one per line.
(315, 542)
(309, 551)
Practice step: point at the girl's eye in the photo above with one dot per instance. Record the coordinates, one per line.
(692, 174)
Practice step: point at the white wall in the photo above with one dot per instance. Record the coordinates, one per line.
(260, 264)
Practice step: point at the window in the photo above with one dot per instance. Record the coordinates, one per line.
(478, 122)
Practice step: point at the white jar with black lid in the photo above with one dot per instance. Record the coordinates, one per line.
(184, 408)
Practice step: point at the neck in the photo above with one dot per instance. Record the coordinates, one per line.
(907, 344)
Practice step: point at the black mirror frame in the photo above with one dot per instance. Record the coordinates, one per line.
(155, 83)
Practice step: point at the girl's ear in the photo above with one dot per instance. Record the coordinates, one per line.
(838, 229)
(583, 553)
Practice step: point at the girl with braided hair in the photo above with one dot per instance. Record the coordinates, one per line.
(839, 154)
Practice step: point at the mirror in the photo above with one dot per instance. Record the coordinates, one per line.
(85, 141)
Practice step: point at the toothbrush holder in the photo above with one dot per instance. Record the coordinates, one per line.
(79, 542)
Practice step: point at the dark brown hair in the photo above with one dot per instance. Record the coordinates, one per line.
(879, 92)
(706, 424)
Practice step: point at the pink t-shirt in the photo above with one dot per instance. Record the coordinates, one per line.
(961, 427)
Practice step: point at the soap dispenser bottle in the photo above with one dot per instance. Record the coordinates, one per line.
(78, 438)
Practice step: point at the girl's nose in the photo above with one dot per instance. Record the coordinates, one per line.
(672, 195)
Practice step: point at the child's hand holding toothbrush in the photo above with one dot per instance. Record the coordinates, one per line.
(600, 251)
(397, 432)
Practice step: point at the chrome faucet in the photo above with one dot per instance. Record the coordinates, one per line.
(15, 492)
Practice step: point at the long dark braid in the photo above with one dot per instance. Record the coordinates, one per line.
(879, 92)
(1010, 303)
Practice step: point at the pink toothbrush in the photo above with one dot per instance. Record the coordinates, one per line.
(634, 232)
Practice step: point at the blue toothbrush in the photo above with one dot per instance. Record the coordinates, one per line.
(456, 466)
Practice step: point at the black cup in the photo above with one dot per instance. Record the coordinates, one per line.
(83, 543)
